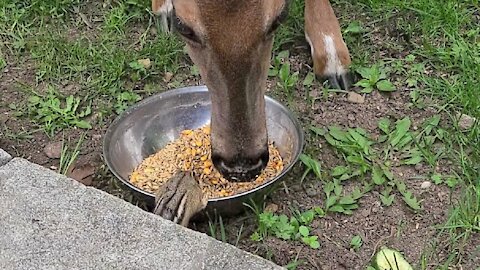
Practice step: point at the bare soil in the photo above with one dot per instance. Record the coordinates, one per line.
(395, 226)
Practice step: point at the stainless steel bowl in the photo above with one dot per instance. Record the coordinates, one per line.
(152, 123)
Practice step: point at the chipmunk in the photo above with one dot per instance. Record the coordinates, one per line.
(180, 198)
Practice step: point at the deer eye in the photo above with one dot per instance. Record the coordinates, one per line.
(185, 31)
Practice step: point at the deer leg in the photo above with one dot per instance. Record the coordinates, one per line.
(331, 58)
(163, 8)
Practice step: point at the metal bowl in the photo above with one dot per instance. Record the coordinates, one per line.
(152, 123)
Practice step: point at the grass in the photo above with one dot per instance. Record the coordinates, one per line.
(435, 53)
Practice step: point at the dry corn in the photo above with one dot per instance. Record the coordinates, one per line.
(192, 152)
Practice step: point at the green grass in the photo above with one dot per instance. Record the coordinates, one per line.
(441, 39)
(445, 39)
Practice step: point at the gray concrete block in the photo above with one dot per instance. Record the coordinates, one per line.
(48, 221)
(4, 157)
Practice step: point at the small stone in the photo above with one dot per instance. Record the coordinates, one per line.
(355, 98)
(466, 122)
(53, 150)
(272, 208)
(426, 185)
(419, 167)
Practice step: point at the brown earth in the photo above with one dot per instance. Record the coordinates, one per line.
(395, 226)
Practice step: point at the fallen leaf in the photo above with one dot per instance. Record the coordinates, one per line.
(82, 173)
(53, 150)
(146, 63)
(167, 77)
(355, 98)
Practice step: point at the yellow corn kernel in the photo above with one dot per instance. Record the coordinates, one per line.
(207, 171)
(206, 130)
(204, 157)
(198, 143)
(207, 164)
(187, 132)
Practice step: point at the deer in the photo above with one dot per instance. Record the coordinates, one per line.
(230, 41)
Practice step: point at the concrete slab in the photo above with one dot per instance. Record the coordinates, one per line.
(4, 157)
(48, 221)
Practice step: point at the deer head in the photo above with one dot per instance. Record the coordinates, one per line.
(231, 41)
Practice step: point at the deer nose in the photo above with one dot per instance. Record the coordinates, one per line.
(241, 169)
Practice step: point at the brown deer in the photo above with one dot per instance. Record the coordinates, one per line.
(231, 43)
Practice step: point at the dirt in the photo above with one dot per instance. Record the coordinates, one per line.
(395, 226)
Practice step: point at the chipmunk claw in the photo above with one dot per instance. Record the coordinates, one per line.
(180, 198)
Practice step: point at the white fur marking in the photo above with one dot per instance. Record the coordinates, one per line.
(165, 8)
(333, 65)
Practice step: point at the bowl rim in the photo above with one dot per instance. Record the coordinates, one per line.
(197, 89)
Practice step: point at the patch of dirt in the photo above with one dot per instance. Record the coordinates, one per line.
(395, 226)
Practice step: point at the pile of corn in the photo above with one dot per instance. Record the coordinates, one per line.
(191, 152)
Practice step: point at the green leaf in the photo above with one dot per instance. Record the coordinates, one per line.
(387, 173)
(413, 160)
(366, 73)
(312, 164)
(283, 54)
(308, 81)
(337, 208)
(367, 90)
(83, 124)
(356, 242)
(384, 125)
(303, 231)
(387, 200)
(339, 170)
(307, 217)
(437, 179)
(315, 244)
(346, 200)
(386, 86)
(330, 202)
(411, 201)
(319, 131)
(320, 212)
(69, 102)
(364, 83)
(338, 134)
(401, 128)
(354, 27)
(377, 176)
(284, 72)
(34, 100)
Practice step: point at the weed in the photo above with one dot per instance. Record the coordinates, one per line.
(54, 113)
(212, 226)
(356, 242)
(124, 100)
(374, 77)
(68, 157)
(364, 161)
(293, 228)
(281, 69)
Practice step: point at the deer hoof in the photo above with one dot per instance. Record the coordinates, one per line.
(338, 81)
